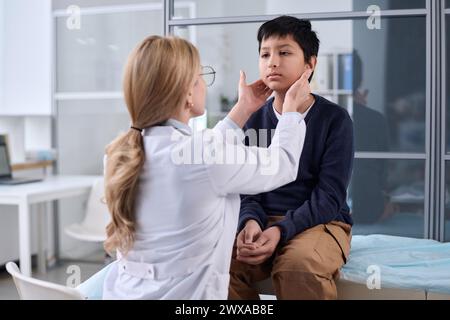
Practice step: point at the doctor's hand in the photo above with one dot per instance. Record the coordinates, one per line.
(263, 248)
(299, 94)
(251, 98)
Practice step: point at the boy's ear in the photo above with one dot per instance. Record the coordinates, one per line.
(313, 62)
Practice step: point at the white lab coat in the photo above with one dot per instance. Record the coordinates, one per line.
(187, 214)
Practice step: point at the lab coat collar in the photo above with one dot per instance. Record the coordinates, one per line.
(180, 126)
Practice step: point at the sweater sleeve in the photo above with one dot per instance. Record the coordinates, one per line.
(330, 193)
(251, 209)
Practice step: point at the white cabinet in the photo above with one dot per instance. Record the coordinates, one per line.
(26, 57)
(333, 77)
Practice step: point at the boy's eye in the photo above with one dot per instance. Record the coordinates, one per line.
(264, 55)
(284, 53)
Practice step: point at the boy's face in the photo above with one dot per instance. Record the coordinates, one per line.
(281, 62)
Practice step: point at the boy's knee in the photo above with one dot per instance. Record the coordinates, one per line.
(302, 284)
(307, 261)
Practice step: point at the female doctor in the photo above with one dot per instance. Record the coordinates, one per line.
(174, 218)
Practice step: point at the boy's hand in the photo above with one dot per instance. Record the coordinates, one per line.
(298, 94)
(248, 236)
(264, 248)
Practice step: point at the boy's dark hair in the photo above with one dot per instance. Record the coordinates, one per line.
(300, 30)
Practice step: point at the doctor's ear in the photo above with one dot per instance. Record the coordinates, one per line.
(189, 102)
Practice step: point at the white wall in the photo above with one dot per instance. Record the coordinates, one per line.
(301, 6)
(2, 24)
(63, 4)
(38, 132)
(27, 55)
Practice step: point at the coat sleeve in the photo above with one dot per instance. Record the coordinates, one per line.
(240, 169)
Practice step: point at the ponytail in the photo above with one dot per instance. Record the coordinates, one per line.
(125, 158)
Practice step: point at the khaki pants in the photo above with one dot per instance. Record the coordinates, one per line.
(305, 268)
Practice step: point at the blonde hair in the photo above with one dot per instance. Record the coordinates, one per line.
(157, 77)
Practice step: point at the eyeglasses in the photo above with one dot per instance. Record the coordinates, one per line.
(209, 75)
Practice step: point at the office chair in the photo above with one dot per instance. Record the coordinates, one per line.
(34, 289)
(93, 227)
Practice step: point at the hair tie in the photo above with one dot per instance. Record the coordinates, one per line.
(140, 130)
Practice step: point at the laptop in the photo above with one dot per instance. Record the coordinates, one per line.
(5, 169)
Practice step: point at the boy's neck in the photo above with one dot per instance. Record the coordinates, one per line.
(279, 100)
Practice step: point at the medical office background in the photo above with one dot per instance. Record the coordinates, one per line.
(60, 91)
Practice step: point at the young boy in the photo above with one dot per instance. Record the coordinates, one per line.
(299, 234)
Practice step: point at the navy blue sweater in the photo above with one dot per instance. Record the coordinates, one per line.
(319, 193)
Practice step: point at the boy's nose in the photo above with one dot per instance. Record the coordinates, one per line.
(273, 62)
